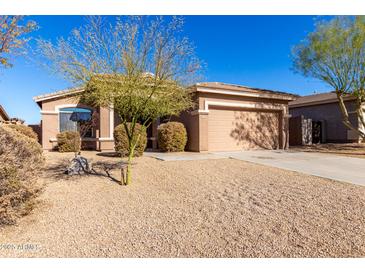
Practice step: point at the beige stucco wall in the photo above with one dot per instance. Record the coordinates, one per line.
(106, 139)
(103, 137)
(197, 121)
(191, 123)
(50, 120)
(236, 129)
(50, 105)
(49, 130)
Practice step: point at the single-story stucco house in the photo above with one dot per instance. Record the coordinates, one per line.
(324, 111)
(227, 117)
(3, 115)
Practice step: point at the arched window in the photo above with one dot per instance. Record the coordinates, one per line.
(72, 117)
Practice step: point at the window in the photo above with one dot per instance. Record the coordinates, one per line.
(71, 118)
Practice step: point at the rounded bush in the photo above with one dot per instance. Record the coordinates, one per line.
(69, 141)
(121, 140)
(23, 129)
(172, 137)
(21, 161)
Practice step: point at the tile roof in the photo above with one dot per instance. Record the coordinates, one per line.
(57, 94)
(316, 99)
(220, 85)
(213, 85)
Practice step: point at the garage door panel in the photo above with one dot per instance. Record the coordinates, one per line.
(230, 129)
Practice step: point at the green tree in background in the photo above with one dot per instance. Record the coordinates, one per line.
(335, 54)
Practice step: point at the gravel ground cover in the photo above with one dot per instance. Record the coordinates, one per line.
(350, 149)
(205, 208)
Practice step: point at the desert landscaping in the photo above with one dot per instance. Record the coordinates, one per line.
(350, 149)
(141, 152)
(204, 208)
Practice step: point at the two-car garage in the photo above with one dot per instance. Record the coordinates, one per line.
(232, 117)
(235, 129)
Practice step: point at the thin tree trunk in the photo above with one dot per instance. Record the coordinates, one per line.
(360, 114)
(345, 115)
(129, 165)
(132, 143)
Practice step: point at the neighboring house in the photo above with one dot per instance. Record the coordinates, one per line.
(5, 119)
(3, 115)
(226, 117)
(324, 111)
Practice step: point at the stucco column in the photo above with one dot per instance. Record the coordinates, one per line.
(203, 131)
(97, 130)
(104, 123)
(50, 129)
(285, 128)
(106, 128)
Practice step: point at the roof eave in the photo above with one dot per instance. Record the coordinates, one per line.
(257, 94)
(41, 98)
(319, 102)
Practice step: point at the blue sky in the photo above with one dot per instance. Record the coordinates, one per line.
(249, 50)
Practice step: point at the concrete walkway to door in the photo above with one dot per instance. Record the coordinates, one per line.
(340, 168)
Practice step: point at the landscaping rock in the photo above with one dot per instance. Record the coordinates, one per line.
(79, 165)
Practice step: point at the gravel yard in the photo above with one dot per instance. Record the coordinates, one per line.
(205, 208)
(350, 149)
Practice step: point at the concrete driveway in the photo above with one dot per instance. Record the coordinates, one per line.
(334, 167)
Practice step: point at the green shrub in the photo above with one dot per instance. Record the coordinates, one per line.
(23, 129)
(21, 160)
(172, 137)
(121, 140)
(69, 141)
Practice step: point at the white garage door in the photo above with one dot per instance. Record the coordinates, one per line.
(230, 129)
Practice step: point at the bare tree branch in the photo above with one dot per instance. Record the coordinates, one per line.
(139, 66)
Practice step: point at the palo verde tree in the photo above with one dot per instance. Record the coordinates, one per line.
(335, 54)
(139, 66)
(12, 36)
